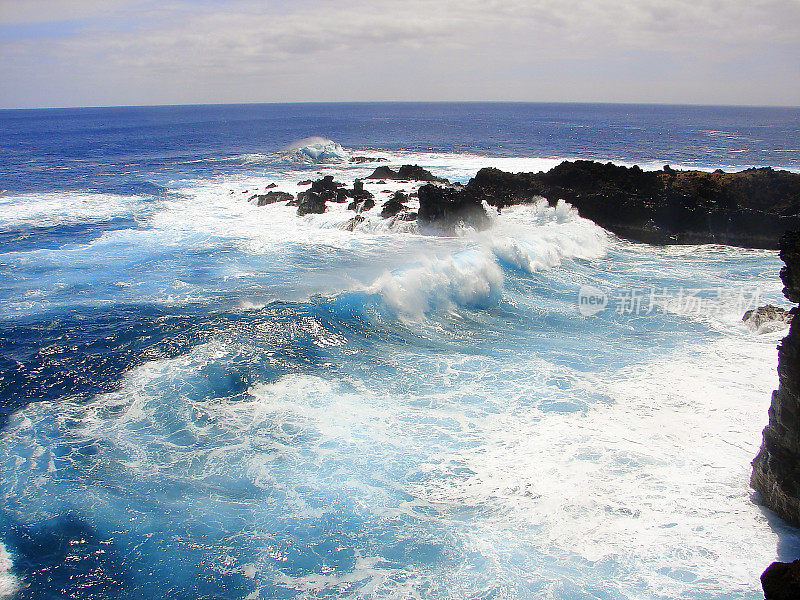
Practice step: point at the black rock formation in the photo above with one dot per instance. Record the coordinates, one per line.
(776, 468)
(361, 205)
(394, 205)
(449, 206)
(750, 208)
(271, 198)
(781, 581)
(406, 172)
(322, 190)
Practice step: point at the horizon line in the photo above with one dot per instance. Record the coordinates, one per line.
(328, 102)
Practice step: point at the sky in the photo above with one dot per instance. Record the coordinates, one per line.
(139, 52)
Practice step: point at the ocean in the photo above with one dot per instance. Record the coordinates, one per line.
(205, 398)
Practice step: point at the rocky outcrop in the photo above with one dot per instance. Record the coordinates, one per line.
(271, 198)
(394, 205)
(750, 208)
(776, 468)
(781, 581)
(406, 173)
(449, 206)
(767, 316)
(322, 190)
(361, 205)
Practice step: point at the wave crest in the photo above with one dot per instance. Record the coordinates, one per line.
(316, 150)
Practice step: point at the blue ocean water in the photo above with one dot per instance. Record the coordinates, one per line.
(203, 398)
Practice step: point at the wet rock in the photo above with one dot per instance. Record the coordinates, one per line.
(304, 182)
(406, 172)
(361, 205)
(271, 186)
(308, 203)
(394, 205)
(781, 581)
(448, 207)
(351, 224)
(750, 208)
(271, 198)
(766, 315)
(776, 468)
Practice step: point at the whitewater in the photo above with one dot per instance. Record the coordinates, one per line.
(206, 398)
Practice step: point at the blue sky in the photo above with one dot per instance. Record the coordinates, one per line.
(116, 52)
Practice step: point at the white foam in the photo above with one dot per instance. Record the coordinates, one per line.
(654, 482)
(66, 208)
(317, 149)
(471, 278)
(537, 236)
(9, 584)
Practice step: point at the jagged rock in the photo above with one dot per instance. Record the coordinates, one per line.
(765, 315)
(383, 172)
(406, 215)
(406, 172)
(271, 186)
(781, 581)
(309, 202)
(322, 190)
(351, 224)
(304, 182)
(750, 208)
(790, 274)
(449, 206)
(326, 184)
(271, 198)
(361, 205)
(776, 468)
(394, 205)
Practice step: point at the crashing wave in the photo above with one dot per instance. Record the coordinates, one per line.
(316, 150)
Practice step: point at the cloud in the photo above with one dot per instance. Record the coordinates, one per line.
(127, 51)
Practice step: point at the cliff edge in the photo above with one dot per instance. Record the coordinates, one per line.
(776, 468)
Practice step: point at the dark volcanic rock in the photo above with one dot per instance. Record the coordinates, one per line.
(271, 198)
(790, 274)
(781, 581)
(406, 172)
(751, 208)
(449, 206)
(309, 202)
(353, 223)
(326, 184)
(394, 205)
(766, 315)
(776, 468)
(361, 205)
(271, 186)
(304, 182)
(322, 191)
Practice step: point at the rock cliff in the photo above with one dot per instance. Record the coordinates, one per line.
(776, 468)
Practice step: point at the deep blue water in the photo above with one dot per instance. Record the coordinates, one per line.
(136, 149)
(202, 398)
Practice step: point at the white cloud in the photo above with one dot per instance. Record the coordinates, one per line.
(183, 51)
